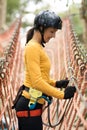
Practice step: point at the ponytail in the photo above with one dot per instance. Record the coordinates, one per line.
(29, 35)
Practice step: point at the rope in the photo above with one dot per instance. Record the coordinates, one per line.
(49, 124)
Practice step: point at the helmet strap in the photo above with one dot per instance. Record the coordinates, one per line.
(41, 30)
(42, 42)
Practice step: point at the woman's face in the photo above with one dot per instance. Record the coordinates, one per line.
(49, 33)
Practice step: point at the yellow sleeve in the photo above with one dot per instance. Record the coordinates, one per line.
(52, 82)
(32, 57)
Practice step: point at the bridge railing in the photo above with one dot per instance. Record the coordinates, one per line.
(10, 79)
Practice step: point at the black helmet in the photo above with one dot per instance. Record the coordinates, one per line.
(47, 19)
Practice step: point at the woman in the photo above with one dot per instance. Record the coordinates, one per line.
(38, 86)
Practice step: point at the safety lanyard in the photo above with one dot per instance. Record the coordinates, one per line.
(49, 124)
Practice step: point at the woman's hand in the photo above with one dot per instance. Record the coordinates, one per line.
(62, 83)
(69, 92)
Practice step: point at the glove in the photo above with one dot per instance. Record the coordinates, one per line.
(62, 83)
(69, 92)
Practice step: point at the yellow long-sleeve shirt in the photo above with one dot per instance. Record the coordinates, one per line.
(37, 70)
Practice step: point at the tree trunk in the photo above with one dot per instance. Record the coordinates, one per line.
(3, 4)
(85, 32)
(84, 17)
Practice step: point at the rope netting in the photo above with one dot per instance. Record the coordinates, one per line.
(5, 37)
(10, 77)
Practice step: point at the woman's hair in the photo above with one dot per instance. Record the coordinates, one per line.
(29, 35)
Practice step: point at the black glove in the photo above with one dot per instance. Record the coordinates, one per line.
(62, 83)
(69, 92)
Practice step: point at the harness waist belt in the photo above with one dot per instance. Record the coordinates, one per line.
(30, 113)
(26, 95)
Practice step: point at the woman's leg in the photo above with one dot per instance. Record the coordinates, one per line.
(30, 123)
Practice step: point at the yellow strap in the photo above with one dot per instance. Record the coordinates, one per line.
(26, 95)
(35, 93)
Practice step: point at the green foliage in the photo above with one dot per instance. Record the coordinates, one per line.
(42, 8)
(79, 26)
(26, 24)
(37, 1)
(76, 18)
(78, 23)
(13, 7)
(74, 13)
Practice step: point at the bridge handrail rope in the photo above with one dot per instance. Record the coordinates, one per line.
(73, 80)
(70, 68)
(80, 47)
(10, 70)
(10, 50)
(82, 64)
(6, 36)
(72, 74)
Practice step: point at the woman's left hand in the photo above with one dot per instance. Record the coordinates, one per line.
(62, 83)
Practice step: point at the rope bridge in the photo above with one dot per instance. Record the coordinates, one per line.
(69, 60)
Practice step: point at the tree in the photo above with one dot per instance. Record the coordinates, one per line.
(3, 4)
(84, 17)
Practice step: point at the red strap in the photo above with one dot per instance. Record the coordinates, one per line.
(31, 113)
